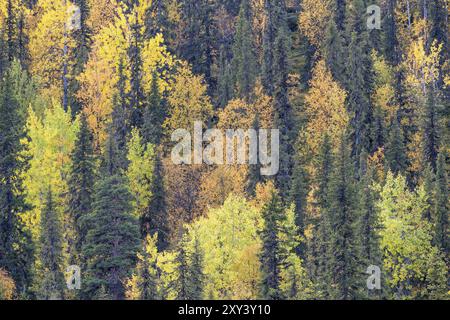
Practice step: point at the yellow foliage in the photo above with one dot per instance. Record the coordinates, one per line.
(326, 110)
(314, 19)
(47, 39)
(7, 286)
(98, 81)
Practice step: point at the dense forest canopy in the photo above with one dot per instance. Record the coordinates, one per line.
(91, 92)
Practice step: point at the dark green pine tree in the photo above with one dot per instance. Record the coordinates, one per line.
(276, 27)
(82, 37)
(225, 80)
(13, 37)
(359, 76)
(196, 274)
(358, 73)
(441, 208)
(120, 125)
(343, 265)
(51, 286)
(154, 115)
(428, 184)
(318, 249)
(112, 240)
(156, 219)
(254, 174)
(395, 152)
(284, 116)
(298, 194)
(196, 38)
(10, 25)
(269, 36)
(271, 253)
(16, 252)
(136, 94)
(367, 225)
(244, 58)
(81, 186)
(183, 280)
(339, 15)
(430, 130)
(389, 37)
(334, 52)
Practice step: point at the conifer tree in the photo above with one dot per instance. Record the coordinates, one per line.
(367, 224)
(136, 93)
(271, 255)
(154, 115)
(318, 249)
(254, 174)
(395, 149)
(430, 131)
(334, 52)
(183, 281)
(52, 282)
(196, 46)
(343, 246)
(81, 185)
(112, 240)
(196, 273)
(299, 191)
(441, 205)
(156, 216)
(121, 120)
(244, 59)
(15, 247)
(390, 38)
(225, 80)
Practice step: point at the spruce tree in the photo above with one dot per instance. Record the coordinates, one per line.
(183, 281)
(156, 219)
(430, 131)
(343, 246)
(390, 34)
(367, 224)
(112, 240)
(51, 255)
(225, 80)
(136, 93)
(196, 273)
(334, 53)
(196, 46)
(268, 47)
(441, 205)
(15, 243)
(319, 248)
(81, 185)
(395, 149)
(358, 73)
(359, 80)
(299, 192)
(154, 115)
(254, 174)
(271, 255)
(244, 59)
(121, 120)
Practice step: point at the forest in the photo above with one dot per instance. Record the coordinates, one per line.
(93, 207)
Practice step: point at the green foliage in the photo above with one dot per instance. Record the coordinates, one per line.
(15, 246)
(50, 276)
(112, 239)
(415, 267)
